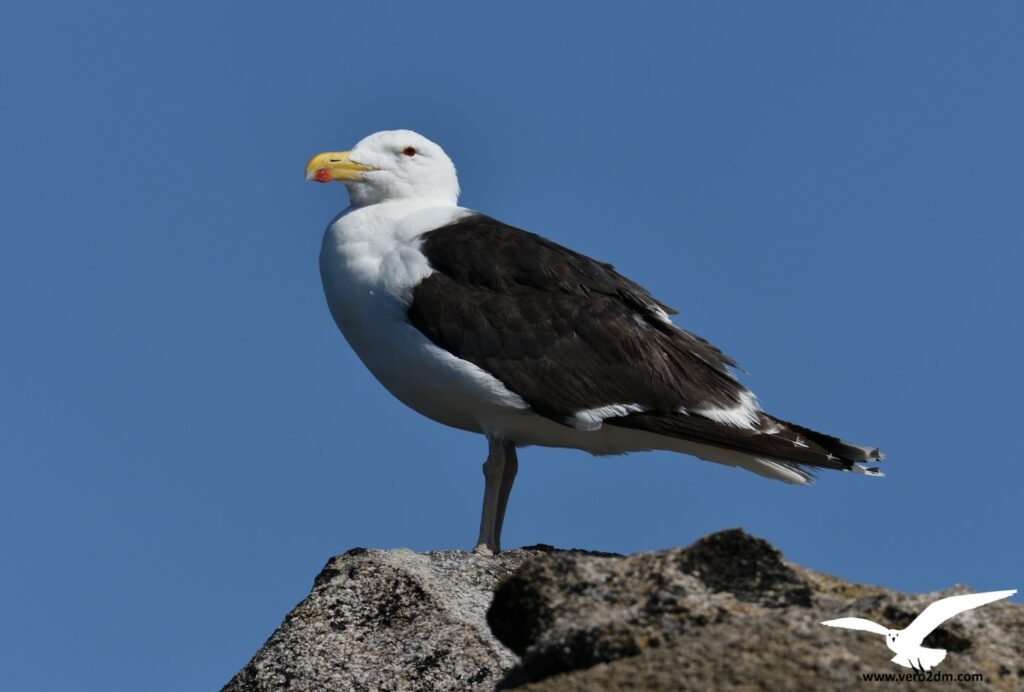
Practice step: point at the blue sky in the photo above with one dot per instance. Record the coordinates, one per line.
(830, 192)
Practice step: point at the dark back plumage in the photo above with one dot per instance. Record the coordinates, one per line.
(562, 330)
(568, 334)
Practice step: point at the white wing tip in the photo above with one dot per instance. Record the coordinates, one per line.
(842, 623)
(1003, 594)
(745, 414)
(867, 470)
(591, 419)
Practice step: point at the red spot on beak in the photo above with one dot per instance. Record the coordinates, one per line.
(323, 175)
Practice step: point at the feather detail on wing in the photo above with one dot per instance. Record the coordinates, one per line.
(585, 346)
(565, 332)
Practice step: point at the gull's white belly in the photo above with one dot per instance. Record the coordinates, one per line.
(425, 377)
(369, 264)
(457, 393)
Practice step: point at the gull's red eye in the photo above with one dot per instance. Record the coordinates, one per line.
(409, 151)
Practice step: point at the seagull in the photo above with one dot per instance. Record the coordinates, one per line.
(487, 328)
(906, 643)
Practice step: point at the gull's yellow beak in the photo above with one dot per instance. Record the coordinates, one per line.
(334, 165)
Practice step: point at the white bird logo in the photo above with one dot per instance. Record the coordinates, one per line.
(906, 643)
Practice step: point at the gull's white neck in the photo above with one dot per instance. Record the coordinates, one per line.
(373, 250)
(384, 225)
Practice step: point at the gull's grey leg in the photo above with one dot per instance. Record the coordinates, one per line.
(508, 477)
(494, 472)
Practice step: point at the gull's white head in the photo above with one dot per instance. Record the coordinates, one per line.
(390, 165)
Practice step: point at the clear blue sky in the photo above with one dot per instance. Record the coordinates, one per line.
(830, 192)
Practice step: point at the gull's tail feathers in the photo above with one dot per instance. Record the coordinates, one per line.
(772, 447)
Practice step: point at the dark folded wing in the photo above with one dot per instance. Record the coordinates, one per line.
(565, 332)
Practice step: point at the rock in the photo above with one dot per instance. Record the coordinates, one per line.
(389, 620)
(726, 613)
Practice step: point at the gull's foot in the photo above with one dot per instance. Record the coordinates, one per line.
(482, 549)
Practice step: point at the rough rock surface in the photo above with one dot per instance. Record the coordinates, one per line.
(725, 613)
(389, 620)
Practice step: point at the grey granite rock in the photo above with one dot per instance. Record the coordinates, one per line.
(726, 613)
(389, 620)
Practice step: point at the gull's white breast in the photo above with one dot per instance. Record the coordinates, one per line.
(369, 263)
